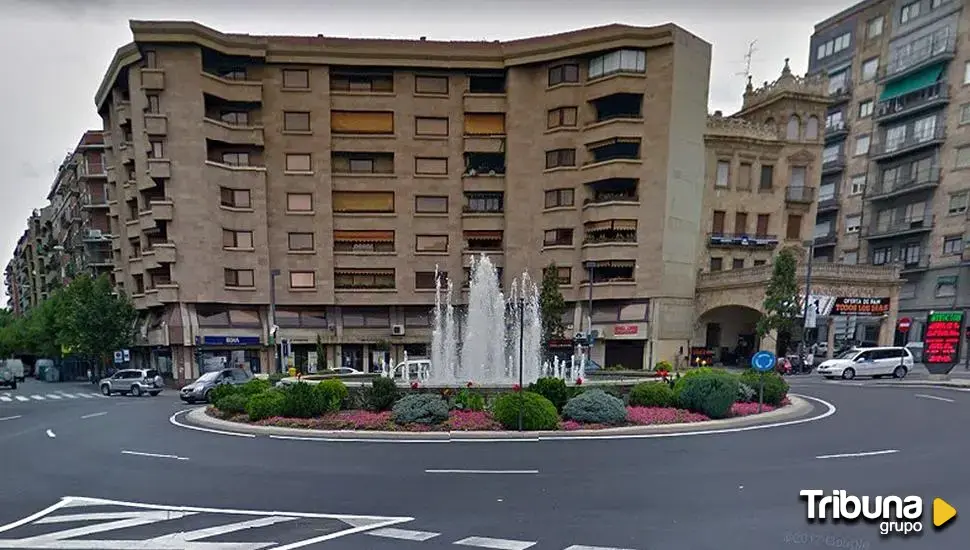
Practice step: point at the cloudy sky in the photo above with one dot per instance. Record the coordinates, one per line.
(59, 50)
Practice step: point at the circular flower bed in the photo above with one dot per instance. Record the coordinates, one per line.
(548, 404)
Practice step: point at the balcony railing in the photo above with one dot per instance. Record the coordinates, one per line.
(886, 149)
(937, 93)
(827, 239)
(836, 129)
(902, 226)
(920, 263)
(800, 194)
(600, 198)
(741, 240)
(841, 93)
(939, 47)
(611, 237)
(919, 180)
(833, 164)
(827, 202)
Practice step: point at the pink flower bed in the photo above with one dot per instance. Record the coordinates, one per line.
(646, 416)
(343, 420)
(747, 409)
(471, 421)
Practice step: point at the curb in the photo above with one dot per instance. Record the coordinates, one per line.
(799, 411)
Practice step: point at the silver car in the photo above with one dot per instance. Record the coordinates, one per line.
(201, 389)
(134, 382)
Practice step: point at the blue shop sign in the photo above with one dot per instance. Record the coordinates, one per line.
(231, 340)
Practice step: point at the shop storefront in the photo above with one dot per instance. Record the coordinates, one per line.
(218, 352)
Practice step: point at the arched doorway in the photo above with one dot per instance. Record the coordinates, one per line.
(729, 333)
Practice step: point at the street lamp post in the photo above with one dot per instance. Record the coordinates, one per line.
(273, 329)
(808, 295)
(521, 358)
(589, 313)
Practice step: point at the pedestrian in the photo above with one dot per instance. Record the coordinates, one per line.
(90, 376)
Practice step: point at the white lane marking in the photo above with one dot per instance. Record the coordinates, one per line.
(33, 517)
(856, 455)
(68, 395)
(403, 534)
(53, 396)
(190, 536)
(21, 398)
(925, 396)
(2, 418)
(580, 547)
(51, 434)
(172, 420)
(497, 544)
(92, 415)
(95, 516)
(5, 398)
(481, 471)
(56, 540)
(37, 397)
(89, 395)
(154, 455)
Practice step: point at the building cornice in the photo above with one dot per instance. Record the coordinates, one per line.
(124, 56)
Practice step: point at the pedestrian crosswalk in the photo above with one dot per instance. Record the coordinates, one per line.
(475, 542)
(10, 397)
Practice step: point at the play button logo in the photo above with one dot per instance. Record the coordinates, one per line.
(942, 512)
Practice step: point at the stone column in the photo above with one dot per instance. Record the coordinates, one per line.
(830, 338)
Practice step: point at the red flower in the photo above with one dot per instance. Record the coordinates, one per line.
(662, 373)
(579, 381)
(516, 388)
(414, 385)
(469, 384)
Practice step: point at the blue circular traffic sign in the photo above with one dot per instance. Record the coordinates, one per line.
(763, 361)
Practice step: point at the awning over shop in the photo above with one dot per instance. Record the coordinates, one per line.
(916, 81)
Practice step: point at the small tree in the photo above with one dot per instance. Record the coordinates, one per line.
(321, 354)
(552, 306)
(781, 296)
(102, 321)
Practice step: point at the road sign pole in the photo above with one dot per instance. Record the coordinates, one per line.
(761, 393)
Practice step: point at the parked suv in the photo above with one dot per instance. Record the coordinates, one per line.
(134, 382)
(874, 362)
(203, 386)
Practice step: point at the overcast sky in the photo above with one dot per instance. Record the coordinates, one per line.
(58, 50)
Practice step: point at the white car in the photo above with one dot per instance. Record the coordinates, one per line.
(874, 362)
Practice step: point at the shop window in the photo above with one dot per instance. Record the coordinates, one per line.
(366, 317)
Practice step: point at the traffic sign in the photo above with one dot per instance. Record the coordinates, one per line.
(763, 361)
(904, 324)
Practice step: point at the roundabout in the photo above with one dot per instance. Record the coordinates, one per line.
(133, 463)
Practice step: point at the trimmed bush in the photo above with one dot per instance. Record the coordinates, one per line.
(301, 401)
(595, 407)
(538, 413)
(220, 391)
(663, 366)
(331, 393)
(381, 394)
(652, 394)
(422, 408)
(234, 403)
(710, 394)
(553, 389)
(467, 400)
(700, 371)
(266, 405)
(776, 388)
(746, 393)
(254, 386)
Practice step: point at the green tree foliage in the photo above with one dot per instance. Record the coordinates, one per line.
(552, 306)
(781, 296)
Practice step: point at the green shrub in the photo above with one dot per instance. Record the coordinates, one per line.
(776, 388)
(700, 371)
(553, 389)
(663, 365)
(652, 394)
(220, 391)
(266, 405)
(234, 403)
(538, 413)
(254, 386)
(468, 400)
(301, 401)
(595, 407)
(274, 378)
(421, 408)
(711, 394)
(746, 393)
(331, 393)
(381, 394)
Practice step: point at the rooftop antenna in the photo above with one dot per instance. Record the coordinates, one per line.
(746, 73)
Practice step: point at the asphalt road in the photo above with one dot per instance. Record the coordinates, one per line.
(215, 492)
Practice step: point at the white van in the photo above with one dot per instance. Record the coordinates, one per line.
(874, 362)
(17, 367)
(416, 369)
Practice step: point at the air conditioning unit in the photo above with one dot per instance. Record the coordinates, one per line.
(397, 330)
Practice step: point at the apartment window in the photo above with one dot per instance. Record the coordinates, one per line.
(240, 278)
(965, 113)
(767, 177)
(299, 242)
(851, 257)
(302, 279)
(874, 27)
(626, 61)
(296, 121)
(237, 239)
(234, 198)
(153, 106)
(236, 73)
(363, 241)
(761, 230)
(723, 174)
(744, 176)
(717, 222)
(853, 223)
(363, 201)
(558, 237)
(839, 82)
(865, 108)
(431, 85)
(963, 157)
(431, 243)
(429, 280)
(857, 185)
(793, 231)
(151, 59)
(717, 264)
(737, 263)
(862, 145)
(485, 202)
(298, 162)
(561, 74)
(793, 129)
(157, 150)
(362, 122)
(953, 246)
(430, 126)
(362, 82)
(487, 83)
(363, 279)
(362, 163)
(559, 197)
(958, 203)
(882, 256)
(430, 166)
(834, 46)
(235, 118)
(560, 157)
(966, 72)
(562, 117)
(760, 262)
(235, 159)
(798, 176)
(946, 287)
(485, 124)
(869, 68)
(296, 79)
(811, 128)
(299, 202)
(909, 12)
(431, 204)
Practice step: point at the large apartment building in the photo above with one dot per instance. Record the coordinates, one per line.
(896, 175)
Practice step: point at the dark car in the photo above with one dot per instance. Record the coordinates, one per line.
(201, 389)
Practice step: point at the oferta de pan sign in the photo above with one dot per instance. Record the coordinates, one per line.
(860, 306)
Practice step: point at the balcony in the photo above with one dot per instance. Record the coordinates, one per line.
(799, 194)
(883, 150)
(609, 273)
(234, 134)
(827, 239)
(485, 102)
(164, 253)
(907, 225)
(914, 265)
(836, 130)
(833, 164)
(841, 94)
(159, 168)
(243, 91)
(610, 232)
(908, 183)
(123, 110)
(126, 152)
(132, 229)
(939, 47)
(913, 95)
(156, 124)
(827, 203)
(167, 293)
(152, 79)
(741, 240)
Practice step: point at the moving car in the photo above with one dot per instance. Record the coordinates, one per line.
(874, 362)
(134, 382)
(7, 377)
(201, 389)
(16, 366)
